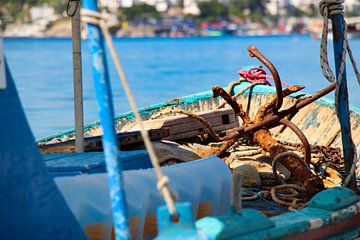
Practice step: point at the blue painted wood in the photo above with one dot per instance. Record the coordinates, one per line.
(228, 226)
(93, 162)
(342, 94)
(106, 112)
(183, 229)
(31, 204)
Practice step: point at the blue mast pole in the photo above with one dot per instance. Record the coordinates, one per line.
(106, 112)
(342, 94)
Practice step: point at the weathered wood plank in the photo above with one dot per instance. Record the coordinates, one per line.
(190, 134)
(224, 118)
(183, 119)
(171, 128)
(95, 144)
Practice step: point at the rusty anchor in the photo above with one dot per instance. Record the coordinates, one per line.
(268, 116)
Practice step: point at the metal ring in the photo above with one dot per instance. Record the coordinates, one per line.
(71, 14)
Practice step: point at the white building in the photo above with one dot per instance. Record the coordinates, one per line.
(352, 5)
(44, 12)
(111, 4)
(279, 7)
(191, 7)
(275, 7)
(304, 4)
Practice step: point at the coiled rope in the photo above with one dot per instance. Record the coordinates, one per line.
(329, 8)
(254, 75)
(100, 19)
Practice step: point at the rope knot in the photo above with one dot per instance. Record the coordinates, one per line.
(96, 18)
(162, 182)
(331, 7)
(257, 75)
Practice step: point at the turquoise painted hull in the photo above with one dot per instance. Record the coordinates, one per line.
(318, 121)
(333, 213)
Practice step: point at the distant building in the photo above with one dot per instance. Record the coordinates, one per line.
(191, 7)
(161, 5)
(126, 3)
(281, 7)
(277, 7)
(111, 4)
(40, 13)
(352, 6)
(305, 4)
(274, 7)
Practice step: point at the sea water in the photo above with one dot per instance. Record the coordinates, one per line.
(157, 69)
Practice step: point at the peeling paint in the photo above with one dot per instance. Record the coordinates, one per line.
(315, 223)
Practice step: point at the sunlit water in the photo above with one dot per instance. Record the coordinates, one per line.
(158, 69)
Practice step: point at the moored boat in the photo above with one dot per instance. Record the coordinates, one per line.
(284, 185)
(318, 122)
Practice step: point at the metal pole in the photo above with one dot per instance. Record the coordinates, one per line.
(342, 96)
(106, 112)
(77, 76)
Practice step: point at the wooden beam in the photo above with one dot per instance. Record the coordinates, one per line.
(92, 144)
(182, 125)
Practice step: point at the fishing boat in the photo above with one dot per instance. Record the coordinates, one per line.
(318, 121)
(251, 161)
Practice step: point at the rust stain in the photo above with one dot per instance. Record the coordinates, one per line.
(175, 100)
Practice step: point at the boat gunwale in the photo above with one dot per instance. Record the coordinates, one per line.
(256, 90)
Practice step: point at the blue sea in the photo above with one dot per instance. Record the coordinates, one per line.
(157, 69)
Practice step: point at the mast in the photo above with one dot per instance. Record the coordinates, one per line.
(2, 66)
(77, 76)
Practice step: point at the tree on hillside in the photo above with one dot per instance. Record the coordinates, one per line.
(140, 11)
(19, 10)
(212, 10)
(255, 8)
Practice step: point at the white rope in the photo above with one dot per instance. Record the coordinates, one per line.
(329, 8)
(100, 19)
(236, 197)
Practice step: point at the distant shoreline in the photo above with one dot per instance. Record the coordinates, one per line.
(169, 37)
